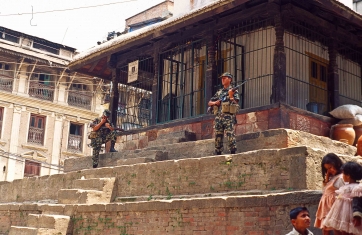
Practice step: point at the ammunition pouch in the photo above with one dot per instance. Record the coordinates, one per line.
(225, 107)
(234, 108)
(92, 135)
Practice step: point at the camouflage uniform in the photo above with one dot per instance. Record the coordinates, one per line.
(103, 136)
(224, 122)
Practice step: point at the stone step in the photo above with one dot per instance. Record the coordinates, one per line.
(205, 195)
(270, 139)
(238, 214)
(99, 184)
(184, 134)
(78, 196)
(18, 230)
(162, 142)
(131, 161)
(267, 169)
(59, 223)
(115, 159)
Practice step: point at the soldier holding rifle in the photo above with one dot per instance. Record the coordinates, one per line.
(102, 132)
(225, 106)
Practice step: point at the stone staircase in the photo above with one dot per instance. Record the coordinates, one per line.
(88, 191)
(43, 225)
(84, 191)
(188, 192)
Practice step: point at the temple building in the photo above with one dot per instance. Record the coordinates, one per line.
(302, 59)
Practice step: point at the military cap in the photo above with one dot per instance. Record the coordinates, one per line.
(106, 112)
(227, 74)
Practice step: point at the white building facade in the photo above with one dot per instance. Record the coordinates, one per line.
(45, 109)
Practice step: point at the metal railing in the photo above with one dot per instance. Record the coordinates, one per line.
(36, 135)
(6, 83)
(75, 143)
(181, 82)
(135, 92)
(41, 91)
(80, 99)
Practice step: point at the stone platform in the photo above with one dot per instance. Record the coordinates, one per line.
(188, 192)
(270, 139)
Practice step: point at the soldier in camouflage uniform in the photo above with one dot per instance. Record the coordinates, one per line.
(104, 133)
(224, 121)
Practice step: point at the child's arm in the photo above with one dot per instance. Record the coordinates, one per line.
(357, 211)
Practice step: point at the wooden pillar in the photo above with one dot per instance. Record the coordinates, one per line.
(113, 106)
(155, 84)
(279, 90)
(211, 69)
(333, 76)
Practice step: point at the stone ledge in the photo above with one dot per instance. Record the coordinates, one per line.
(34, 147)
(271, 199)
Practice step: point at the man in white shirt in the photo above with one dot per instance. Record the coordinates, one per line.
(301, 221)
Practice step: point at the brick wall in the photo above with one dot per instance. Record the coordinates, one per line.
(248, 121)
(246, 215)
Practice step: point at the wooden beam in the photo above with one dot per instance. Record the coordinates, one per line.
(61, 76)
(71, 80)
(32, 70)
(93, 66)
(18, 70)
(104, 68)
(99, 85)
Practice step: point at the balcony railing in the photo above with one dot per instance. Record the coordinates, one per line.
(75, 143)
(6, 83)
(79, 99)
(36, 135)
(41, 91)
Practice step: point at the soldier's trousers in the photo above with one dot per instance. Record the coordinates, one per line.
(224, 123)
(96, 144)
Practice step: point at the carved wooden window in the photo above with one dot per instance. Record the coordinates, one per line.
(31, 168)
(75, 137)
(318, 81)
(36, 129)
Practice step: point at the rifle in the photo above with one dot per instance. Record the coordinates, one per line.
(223, 99)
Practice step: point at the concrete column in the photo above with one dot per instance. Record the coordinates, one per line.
(61, 97)
(57, 139)
(22, 88)
(14, 142)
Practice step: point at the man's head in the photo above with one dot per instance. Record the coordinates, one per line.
(226, 79)
(300, 218)
(106, 113)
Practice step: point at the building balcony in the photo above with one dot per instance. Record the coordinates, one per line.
(79, 99)
(6, 83)
(41, 91)
(75, 143)
(36, 135)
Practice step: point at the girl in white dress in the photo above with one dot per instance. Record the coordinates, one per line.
(340, 217)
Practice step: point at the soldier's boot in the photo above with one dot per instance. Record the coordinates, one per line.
(217, 152)
(112, 150)
(232, 151)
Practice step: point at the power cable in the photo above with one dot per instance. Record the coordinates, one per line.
(17, 156)
(68, 9)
